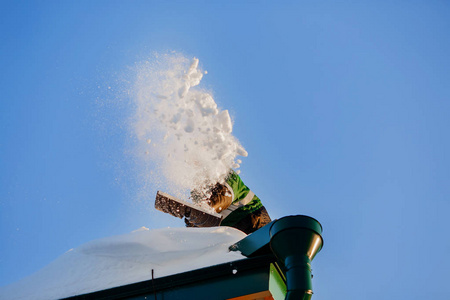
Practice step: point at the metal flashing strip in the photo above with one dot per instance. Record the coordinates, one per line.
(277, 283)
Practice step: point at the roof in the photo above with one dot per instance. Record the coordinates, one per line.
(278, 266)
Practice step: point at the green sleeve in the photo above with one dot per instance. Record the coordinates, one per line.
(240, 191)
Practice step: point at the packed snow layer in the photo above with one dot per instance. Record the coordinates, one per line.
(125, 259)
(180, 129)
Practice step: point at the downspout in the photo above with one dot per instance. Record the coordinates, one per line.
(295, 241)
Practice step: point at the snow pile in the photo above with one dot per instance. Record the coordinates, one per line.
(125, 259)
(180, 129)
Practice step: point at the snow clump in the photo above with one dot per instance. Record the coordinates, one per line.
(181, 132)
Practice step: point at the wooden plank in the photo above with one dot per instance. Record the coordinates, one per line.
(179, 208)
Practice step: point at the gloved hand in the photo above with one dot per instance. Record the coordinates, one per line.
(218, 197)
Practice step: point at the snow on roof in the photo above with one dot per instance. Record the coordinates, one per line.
(126, 259)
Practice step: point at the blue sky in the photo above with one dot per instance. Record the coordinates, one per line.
(343, 108)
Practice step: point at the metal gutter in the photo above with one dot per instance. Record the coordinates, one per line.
(217, 282)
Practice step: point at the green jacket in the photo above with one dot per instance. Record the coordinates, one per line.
(244, 201)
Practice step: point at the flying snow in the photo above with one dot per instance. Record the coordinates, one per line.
(179, 127)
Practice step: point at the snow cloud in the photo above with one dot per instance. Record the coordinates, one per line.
(179, 128)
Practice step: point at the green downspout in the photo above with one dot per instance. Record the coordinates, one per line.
(295, 241)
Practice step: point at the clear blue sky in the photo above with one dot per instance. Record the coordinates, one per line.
(343, 107)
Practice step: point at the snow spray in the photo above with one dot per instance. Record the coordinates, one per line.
(180, 131)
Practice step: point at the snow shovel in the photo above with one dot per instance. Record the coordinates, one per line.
(179, 208)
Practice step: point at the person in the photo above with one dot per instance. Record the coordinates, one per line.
(235, 202)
